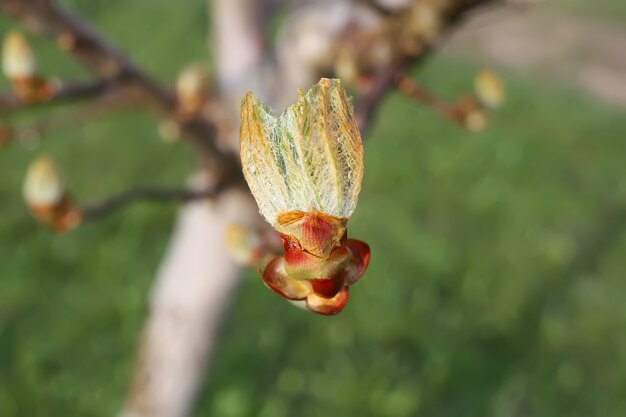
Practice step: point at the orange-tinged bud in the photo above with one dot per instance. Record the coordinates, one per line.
(476, 121)
(318, 233)
(421, 26)
(32, 90)
(18, 60)
(304, 169)
(424, 21)
(489, 88)
(169, 130)
(45, 194)
(244, 244)
(470, 113)
(347, 65)
(192, 88)
(20, 67)
(43, 185)
(328, 306)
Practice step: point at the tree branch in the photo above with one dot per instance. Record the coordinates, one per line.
(456, 113)
(66, 92)
(104, 59)
(194, 285)
(386, 78)
(152, 194)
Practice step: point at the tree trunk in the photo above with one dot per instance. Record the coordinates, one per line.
(192, 292)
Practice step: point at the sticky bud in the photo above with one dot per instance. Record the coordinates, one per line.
(489, 88)
(304, 169)
(470, 113)
(169, 130)
(47, 198)
(421, 25)
(347, 66)
(424, 21)
(20, 67)
(476, 121)
(43, 185)
(192, 88)
(18, 60)
(244, 244)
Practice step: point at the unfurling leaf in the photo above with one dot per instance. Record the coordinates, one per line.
(305, 169)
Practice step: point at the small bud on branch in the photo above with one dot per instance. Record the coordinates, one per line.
(467, 111)
(18, 59)
(244, 244)
(192, 88)
(20, 67)
(169, 130)
(47, 198)
(489, 88)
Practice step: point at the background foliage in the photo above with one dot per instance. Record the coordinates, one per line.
(495, 287)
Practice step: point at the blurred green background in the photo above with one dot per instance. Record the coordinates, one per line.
(495, 289)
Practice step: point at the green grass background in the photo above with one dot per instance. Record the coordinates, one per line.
(496, 285)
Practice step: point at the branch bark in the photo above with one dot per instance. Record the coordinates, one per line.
(66, 92)
(386, 78)
(105, 60)
(97, 210)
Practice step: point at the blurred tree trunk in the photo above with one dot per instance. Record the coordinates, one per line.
(197, 279)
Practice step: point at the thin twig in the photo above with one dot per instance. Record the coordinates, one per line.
(66, 92)
(418, 94)
(385, 79)
(153, 194)
(103, 58)
(367, 104)
(75, 118)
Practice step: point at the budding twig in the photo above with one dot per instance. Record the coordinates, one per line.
(142, 193)
(385, 78)
(422, 96)
(76, 37)
(47, 197)
(65, 92)
(39, 129)
(467, 111)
